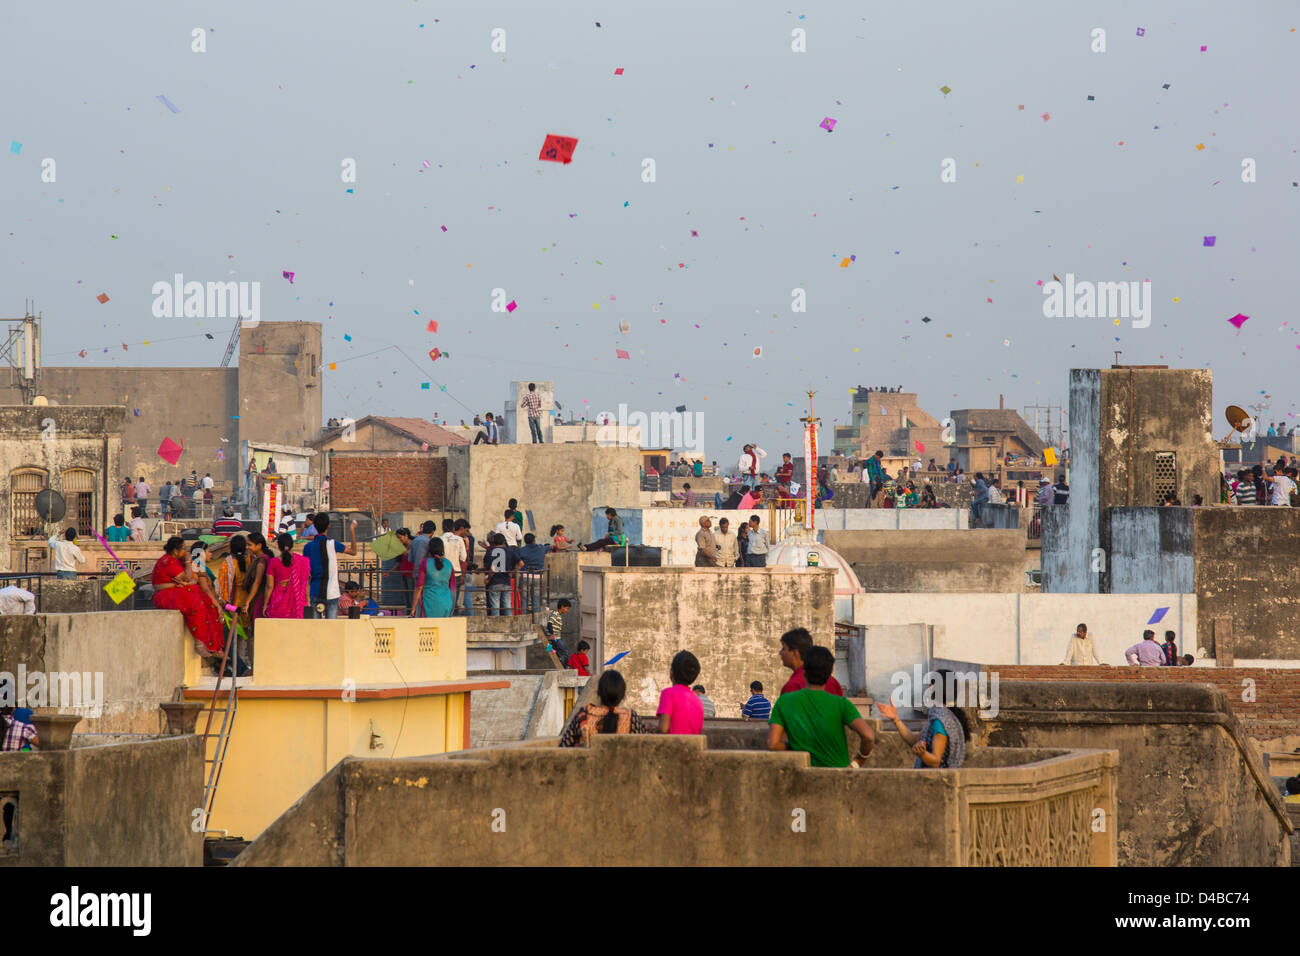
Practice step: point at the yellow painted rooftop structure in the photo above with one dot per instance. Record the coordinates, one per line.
(323, 690)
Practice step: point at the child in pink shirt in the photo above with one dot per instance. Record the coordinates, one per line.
(680, 710)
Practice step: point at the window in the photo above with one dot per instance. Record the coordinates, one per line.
(24, 484)
(1166, 475)
(988, 440)
(79, 493)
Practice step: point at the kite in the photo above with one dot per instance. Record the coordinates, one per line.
(434, 354)
(558, 149)
(1239, 320)
(620, 353)
(169, 451)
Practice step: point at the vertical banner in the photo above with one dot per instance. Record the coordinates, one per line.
(270, 510)
(810, 472)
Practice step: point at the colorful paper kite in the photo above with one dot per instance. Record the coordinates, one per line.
(1239, 320)
(102, 297)
(1159, 615)
(558, 149)
(619, 353)
(120, 588)
(828, 124)
(434, 354)
(169, 451)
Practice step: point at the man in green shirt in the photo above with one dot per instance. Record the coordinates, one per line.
(813, 720)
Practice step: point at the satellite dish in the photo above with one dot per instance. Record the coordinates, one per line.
(50, 505)
(1241, 422)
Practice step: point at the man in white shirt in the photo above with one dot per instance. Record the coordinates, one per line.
(142, 493)
(137, 525)
(15, 600)
(728, 548)
(749, 464)
(1082, 648)
(207, 481)
(514, 534)
(453, 548)
(1282, 485)
(995, 492)
(66, 554)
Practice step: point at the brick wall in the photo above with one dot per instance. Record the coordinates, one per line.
(1275, 710)
(382, 483)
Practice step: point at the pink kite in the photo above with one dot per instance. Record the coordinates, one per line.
(431, 327)
(1239, 320)
(169, 451)
(619, 353)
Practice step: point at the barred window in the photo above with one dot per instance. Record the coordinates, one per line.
(1166, 474)
(24, 485)
(79, 493)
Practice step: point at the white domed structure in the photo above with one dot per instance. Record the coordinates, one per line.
(793, 551)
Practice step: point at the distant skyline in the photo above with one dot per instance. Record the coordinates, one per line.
(1127, 165)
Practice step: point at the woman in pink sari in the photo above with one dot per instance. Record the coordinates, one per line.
(286, 582)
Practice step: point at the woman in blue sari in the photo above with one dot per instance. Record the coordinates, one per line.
(943, 744)
(432, 584)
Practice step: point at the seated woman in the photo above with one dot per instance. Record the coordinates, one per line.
(176, 589)
(606, 717)
(942, 745)
(559, 541)
(928, 499)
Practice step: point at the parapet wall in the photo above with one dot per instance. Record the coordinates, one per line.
(123, 804)
(670, 801)
(985, 561)
(141, 654)
(1192, 790)
(1265, 699)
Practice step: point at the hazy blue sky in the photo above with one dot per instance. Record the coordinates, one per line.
(244, 182)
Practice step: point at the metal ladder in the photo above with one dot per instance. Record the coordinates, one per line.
(226, 708)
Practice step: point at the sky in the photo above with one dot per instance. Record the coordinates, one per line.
(751, 198)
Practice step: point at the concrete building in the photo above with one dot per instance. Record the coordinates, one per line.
(557, 484)
(984, 437)
(1137, 435)
(892, 422)
(383, 465)
(730, 618)
(73, 450)
(273, 395)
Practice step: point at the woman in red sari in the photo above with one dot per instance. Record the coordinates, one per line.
(286, 581)
(175, 590)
